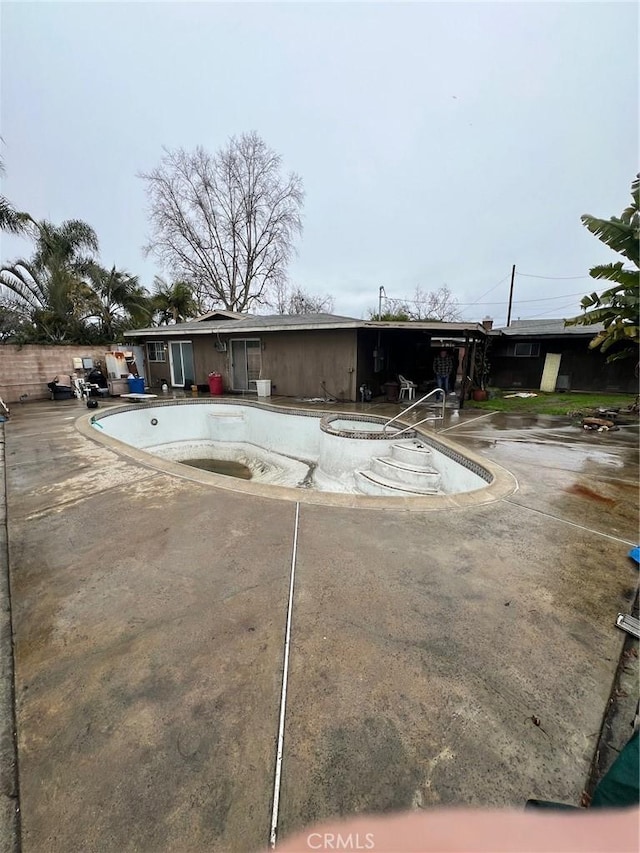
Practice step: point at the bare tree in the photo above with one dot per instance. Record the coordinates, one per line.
(226, 222)
(395, 311)
(440, 305)
(295, 300)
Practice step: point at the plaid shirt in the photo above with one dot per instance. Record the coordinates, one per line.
(442, 366)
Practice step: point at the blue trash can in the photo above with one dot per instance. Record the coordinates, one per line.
(136, 385)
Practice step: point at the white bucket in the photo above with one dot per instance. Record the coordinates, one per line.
(264, 387)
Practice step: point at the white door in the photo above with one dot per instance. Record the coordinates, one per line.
(550, 372)
(246, 361)
(181, 363)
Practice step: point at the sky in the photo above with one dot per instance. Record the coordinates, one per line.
(438, 143)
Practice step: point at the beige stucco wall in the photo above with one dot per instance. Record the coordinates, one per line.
(27, 369)
(297, 363)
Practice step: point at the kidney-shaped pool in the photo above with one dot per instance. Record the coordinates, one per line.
(251, 446)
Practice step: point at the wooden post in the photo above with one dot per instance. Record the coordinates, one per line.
(472, 362)
(465, 370)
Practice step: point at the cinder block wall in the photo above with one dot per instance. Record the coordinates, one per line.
(27, 369)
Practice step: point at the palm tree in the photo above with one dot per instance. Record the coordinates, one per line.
(117, 300)
(51, 302)
(63, 294)
(11, 220)
(11, 324)
(617, 307)
(48, 291)
(174, 301)
(65, 244)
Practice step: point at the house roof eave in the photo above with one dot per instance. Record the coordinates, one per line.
(232, 329)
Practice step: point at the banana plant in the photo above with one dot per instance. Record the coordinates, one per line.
(617, 308)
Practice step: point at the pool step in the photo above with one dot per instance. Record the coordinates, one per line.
(374, 484)
(408, 470)
(226, 426)
(405, 473)
(414, 453)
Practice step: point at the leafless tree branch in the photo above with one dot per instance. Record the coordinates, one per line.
(294, 300)
(226, 222)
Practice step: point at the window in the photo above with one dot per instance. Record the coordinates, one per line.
(155, 351)
(527, 350)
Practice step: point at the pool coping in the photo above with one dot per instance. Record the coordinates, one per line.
(502, 485)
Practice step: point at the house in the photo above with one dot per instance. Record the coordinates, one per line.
(547, 355)
(314, 355)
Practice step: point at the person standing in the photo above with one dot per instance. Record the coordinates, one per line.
(443, 368)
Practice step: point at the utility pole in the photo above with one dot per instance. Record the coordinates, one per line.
(513, 275)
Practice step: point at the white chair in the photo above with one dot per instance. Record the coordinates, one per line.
(407, 388)
(80, 388)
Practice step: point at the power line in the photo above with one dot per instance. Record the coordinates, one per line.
(547, 298)
(552, 277)
(487, 292)
(562, 307)
(540, 314)
(504, 301)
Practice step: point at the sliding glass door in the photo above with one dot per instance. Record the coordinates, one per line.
(246, 362)
(181, 363)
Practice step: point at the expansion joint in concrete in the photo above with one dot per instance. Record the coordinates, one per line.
(9, 776)
(283, 694)
(570, 523)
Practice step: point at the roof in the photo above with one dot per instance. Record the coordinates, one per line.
(256, 323)
(251, 323)
(436, 327)
(546, 328)
(220, 314)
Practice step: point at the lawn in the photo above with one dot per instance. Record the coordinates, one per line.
(552, 404)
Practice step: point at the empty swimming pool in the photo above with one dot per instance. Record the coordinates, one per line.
(294, 450)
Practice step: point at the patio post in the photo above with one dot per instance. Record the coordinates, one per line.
(466, 369)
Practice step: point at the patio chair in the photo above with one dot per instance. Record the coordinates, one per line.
(407, 388)
(81, 388)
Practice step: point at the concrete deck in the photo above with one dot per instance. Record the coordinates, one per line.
(149, 617)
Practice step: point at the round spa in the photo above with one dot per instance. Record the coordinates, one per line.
(300, 450)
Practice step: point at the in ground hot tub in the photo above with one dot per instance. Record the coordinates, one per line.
(349, 454)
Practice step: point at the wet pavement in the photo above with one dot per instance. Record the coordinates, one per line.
(564, 470)
(150, 614)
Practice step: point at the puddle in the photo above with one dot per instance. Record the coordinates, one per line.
(220, 466)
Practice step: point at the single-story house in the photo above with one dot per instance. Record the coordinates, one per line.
(547, 355)
(314, 355)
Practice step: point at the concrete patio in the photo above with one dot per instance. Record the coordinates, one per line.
(149, 617)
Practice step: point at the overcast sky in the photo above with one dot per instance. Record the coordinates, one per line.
(438, 143)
